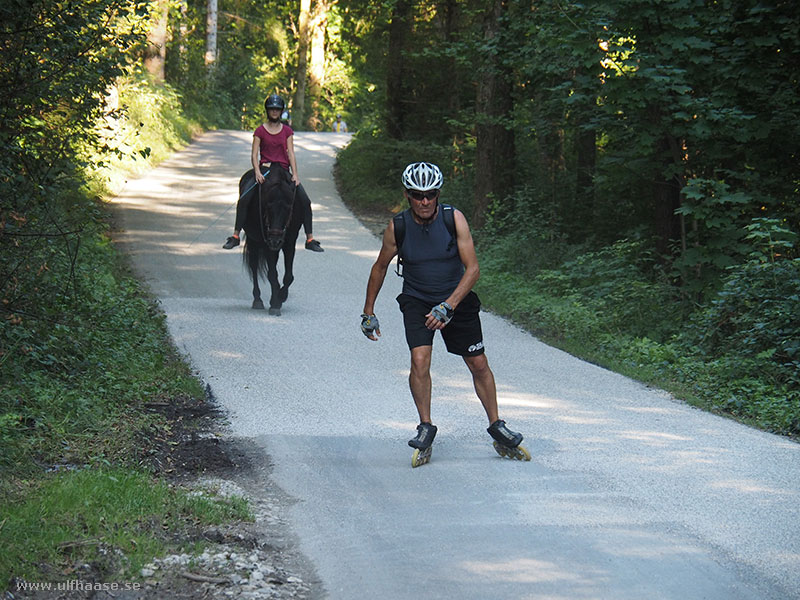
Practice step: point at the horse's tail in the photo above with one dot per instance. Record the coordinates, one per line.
(258, 252)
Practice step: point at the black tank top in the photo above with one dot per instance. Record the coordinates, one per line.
(432, 267)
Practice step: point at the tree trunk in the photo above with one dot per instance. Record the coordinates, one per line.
(584, 178)
(211, 36)
(452, 19)
(183, 34)
(299, 104)
(396, 82)
(494, 161)
(156, 49)
(550, 141)
(666, 199)
(316, 71)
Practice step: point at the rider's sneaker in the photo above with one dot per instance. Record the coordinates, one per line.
(314, 246)
(231, 242)
(425, 434)
(503, 435)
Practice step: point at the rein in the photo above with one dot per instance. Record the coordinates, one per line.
(262, 220)
(242, 195)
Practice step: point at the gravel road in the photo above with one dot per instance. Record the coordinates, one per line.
(631, 494)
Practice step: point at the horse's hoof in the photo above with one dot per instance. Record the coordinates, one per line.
(257, 303)
(284, 294)
(275, 311)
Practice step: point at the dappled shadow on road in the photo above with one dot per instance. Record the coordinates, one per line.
(487, 527)
(645, 485)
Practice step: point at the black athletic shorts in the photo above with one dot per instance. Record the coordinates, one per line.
(462, 335)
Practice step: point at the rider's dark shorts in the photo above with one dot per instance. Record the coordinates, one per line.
(462, 335)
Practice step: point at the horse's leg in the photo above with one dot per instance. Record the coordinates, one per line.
(288, 276)
(289, 248)
(252, 255)
(272, 275)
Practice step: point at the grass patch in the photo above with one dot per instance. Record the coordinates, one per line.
(114, 519)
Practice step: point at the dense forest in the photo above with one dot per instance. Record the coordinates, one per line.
(630, 167)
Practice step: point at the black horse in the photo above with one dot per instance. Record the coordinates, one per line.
(274, 216)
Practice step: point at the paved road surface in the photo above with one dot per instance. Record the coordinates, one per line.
(630, 494)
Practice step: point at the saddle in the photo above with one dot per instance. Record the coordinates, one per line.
(276, 204)
(278, 177)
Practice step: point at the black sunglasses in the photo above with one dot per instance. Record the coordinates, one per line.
(418, 196)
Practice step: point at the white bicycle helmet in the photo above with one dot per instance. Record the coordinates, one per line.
(422, 177)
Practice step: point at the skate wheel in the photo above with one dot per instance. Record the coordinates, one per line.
(522, 453)
(518, 453)
(420, 457)
(500, 449)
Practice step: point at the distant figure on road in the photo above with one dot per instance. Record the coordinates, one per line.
(439, 268)
(339, 126)
(273, 148)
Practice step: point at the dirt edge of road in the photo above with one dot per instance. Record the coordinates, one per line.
(243, 559)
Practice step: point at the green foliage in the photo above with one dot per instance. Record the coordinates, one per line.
(58, 61)
(79, 359)
(621, 282)
(122, 518)
(738, 354)
(234, 89)
(614, 291)
(771, 240)
(755, 319)
(57, 65)
(716, 241)
(148, 127)
(82, 347)
(369, 170)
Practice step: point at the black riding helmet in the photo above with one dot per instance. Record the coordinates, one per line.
(274, 101)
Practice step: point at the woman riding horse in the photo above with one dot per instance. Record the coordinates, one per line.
(272, 224)
(273, 147)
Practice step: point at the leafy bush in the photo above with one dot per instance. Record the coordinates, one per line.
(81, 344)
(756, 315)
(519, 236)
(622, 284)
(739, 354)
(149, 124)
(92, 349)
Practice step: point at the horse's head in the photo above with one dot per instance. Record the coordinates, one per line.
(276, 202)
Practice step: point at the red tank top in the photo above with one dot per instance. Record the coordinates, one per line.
(273, 146)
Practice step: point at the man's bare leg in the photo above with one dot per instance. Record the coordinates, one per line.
(419, 380)
(485, 388)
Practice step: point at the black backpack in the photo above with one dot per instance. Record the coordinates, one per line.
(400, 231)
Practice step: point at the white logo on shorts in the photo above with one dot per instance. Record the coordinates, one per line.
(475, 347)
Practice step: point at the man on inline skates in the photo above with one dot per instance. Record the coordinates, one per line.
(439, 269)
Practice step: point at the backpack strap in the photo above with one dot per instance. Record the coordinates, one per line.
(399, 235)
(448, 215)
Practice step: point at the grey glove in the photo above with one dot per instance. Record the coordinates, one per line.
(443, 312)
(369, 323)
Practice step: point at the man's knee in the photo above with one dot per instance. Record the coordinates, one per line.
(478, 365)
(420, 360)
